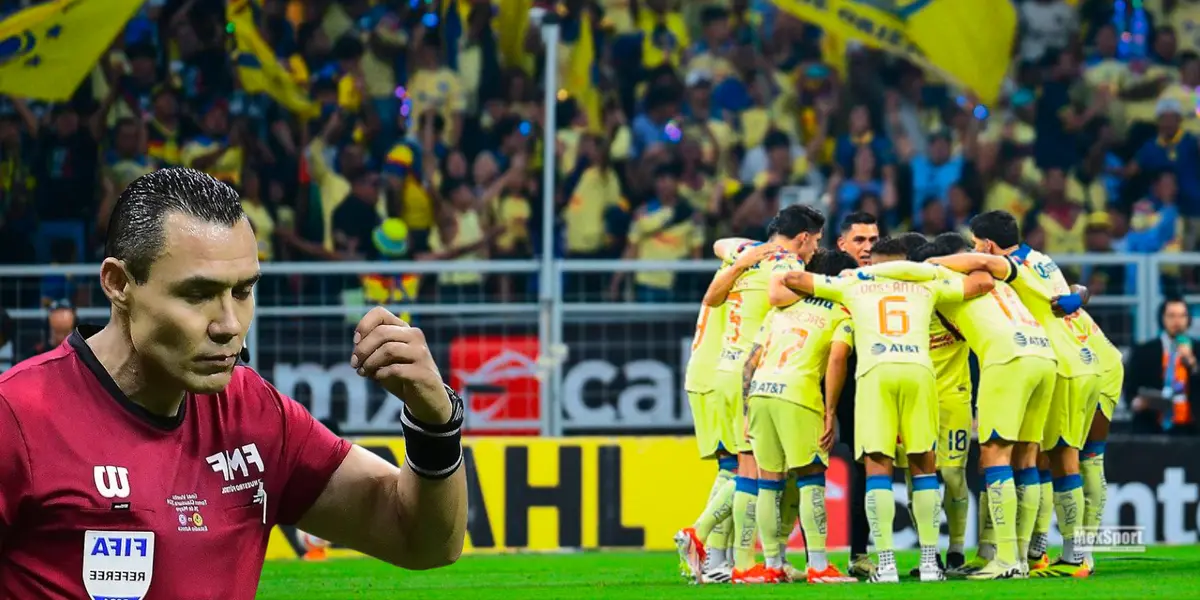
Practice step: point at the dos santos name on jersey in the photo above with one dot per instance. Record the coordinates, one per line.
(871, 285)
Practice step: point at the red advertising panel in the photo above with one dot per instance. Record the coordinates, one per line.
(497, 376)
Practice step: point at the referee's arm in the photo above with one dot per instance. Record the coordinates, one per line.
(391, 513)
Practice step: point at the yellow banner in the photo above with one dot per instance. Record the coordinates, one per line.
(969, 43)
(46, 50)
(538, 494)
(257, 68)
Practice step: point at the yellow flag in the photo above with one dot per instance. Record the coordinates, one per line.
(578, 81)
(967, 42)
(47, 50)
(512, 23)
(257, 67)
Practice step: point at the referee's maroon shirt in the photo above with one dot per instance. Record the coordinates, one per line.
(101, 499)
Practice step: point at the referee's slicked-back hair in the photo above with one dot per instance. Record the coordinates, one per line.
(998, 227)
(135, 230)
(858, 217)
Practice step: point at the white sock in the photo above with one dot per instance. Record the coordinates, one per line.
(955, 548)
(887, 560)
(716, 558)
(929, 556)
(987, 551)
(817, 560)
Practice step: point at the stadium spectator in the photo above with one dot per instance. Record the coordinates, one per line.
(60, 322)
(1161, 393)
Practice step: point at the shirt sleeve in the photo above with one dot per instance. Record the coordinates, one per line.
(310, 455)
(947, 290)
(903, 270)
(843, 327)
(1025, 279)
(16, 472)
(830, 288)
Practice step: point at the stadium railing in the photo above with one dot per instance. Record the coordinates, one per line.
(556, 354)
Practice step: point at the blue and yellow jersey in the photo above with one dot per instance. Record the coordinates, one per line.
(404, 161)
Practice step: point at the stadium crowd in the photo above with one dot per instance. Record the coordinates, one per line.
(429, 141)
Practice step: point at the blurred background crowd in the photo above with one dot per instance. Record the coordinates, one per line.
(702, 118)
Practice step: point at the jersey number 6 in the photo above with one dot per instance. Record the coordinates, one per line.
(893, 319)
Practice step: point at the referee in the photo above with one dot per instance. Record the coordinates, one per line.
(858, 234)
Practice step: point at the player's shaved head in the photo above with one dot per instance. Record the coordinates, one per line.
(831, 262)
(911, 241)
(889, 249)
(952, 242)
(136, 230)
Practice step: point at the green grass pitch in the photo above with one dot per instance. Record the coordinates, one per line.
(1161, 572)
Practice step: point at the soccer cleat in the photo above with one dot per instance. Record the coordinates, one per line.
(931, 572)
(1038, 564)
(831, 574)
(718, 574)
(1090, 563)
(967, 568)
(954, 559)
(793, 574)
(759, 573)
(916, 571)
(888, 575)
(862, 567)
(997, 570)
(1062, 568)
(691, 553)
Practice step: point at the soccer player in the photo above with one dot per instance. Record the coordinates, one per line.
(710, 531)
(791, 427)
(1038, 282)
(141, 461)
(896, 386)
(1016, 382)
(798, 231)
(858, 235)
(1091, 464)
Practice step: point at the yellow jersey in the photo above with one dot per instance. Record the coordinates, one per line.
(747, 306)
(796, 343)
(1107, 353)
(891, 318)
(998, 327)
(1037, 279)
(706, 347)
(950, 356)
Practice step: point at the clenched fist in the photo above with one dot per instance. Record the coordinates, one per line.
(394, 354)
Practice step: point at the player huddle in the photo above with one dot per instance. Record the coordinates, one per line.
(783, 323)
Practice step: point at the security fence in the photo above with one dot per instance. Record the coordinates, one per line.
(535, 347)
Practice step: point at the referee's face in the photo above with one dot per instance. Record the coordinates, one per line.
(189, 319)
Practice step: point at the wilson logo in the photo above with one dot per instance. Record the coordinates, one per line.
(111, 482)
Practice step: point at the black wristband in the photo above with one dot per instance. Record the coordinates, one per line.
(434, 451)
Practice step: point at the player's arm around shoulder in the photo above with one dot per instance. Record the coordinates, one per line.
(413, 516)
(718, 290)
(1000, 267)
